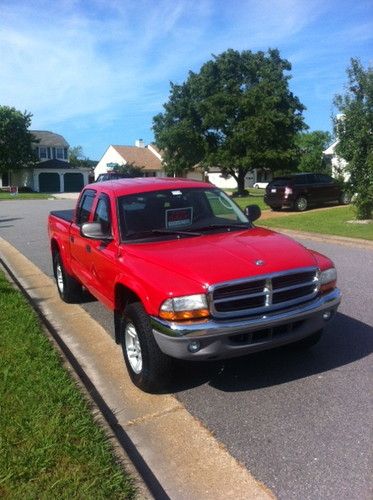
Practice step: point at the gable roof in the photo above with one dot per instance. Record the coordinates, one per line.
(141, 157)
(48, 139)
(331, 149)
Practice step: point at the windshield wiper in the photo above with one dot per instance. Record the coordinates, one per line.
(238, 225)
(175, 231)
(151, 232)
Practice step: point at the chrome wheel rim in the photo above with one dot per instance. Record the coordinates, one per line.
(59, 278)
(302, 203)
(133, 348)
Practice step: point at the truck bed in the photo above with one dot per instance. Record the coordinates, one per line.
(66, 215)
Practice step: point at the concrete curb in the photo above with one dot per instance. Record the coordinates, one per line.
(184, 457)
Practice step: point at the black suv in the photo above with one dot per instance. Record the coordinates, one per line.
(299, 191)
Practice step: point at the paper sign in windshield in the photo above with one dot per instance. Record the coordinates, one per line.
(179, 217)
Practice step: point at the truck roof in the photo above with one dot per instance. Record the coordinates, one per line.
(121, 187)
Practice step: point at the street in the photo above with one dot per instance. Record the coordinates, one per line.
(300, 422)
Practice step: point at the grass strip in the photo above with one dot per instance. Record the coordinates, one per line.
(333, 221)
(24, 196)
(50, 445)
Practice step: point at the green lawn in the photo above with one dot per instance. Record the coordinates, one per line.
(24, 196)
(255, 198)
(332, 221)
(50, 446)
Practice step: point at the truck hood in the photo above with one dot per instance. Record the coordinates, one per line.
(214, 258)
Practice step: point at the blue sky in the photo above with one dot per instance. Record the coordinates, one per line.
(98, 71)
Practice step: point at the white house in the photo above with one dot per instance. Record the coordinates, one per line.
(338, 164)
(150, 159)
(147, 157)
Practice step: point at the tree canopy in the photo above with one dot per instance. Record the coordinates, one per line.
(78, 160)
(237, 113)
(354, 130)
(311, 146)
(130, 170)
(15, 139)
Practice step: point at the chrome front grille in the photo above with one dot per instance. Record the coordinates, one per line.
(263, 294)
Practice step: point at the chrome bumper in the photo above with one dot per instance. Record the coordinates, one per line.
(217, 338)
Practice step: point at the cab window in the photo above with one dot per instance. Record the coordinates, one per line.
(102, 214)
(85, 206)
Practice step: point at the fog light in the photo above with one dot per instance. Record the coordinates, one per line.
(194, 346)
(326, 315)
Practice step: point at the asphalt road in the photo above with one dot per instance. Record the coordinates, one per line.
(300, 422)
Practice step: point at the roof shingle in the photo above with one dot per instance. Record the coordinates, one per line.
(141, 157)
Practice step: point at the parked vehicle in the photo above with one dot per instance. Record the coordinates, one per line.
(110, 176)
(260, 185)
(187, 274)
(300, 191)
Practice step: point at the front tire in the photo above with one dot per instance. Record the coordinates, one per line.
(147, 366)
(69, 289)
(301, 204)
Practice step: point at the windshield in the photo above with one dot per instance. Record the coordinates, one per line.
(177, 212)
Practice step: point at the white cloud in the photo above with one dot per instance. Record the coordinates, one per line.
(73, 59)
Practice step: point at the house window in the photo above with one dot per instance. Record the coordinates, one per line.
(65, 154)
(59, 153)
(42, 153)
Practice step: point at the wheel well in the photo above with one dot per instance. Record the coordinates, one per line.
(55, 250)
(54, 247)
(123, 296)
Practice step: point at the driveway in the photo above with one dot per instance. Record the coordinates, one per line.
(301, 423)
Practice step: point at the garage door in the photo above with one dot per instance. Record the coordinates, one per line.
(74, 182)
(49, 182)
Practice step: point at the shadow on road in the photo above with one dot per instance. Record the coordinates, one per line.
(346, 340)
(5, 220)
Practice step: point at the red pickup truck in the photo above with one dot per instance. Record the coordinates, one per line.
(187, 274)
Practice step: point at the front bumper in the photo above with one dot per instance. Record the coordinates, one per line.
(230, 338)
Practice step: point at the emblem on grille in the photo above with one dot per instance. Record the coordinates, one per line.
(259, 262)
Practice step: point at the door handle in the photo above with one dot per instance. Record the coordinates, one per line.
(72, 239)
(88, 248)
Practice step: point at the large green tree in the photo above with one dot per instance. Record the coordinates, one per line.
(355, 133)
(311, 146)
(15, 139)
(237, 113)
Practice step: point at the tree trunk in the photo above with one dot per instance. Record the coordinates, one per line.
(241, 183)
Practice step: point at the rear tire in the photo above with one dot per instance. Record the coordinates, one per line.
(308, 342)
(69, 289)
(147, 366)
(301, 204)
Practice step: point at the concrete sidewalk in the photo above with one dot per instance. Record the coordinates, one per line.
(183, 455)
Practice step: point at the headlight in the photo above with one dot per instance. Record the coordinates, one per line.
(183, 308)
(328, 279)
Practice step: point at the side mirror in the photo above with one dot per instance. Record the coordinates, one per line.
(253, 212)
(93, 231)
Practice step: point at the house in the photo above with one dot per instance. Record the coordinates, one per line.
(337, 163)
(53, 173)
(148, 157)
(222, 181)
